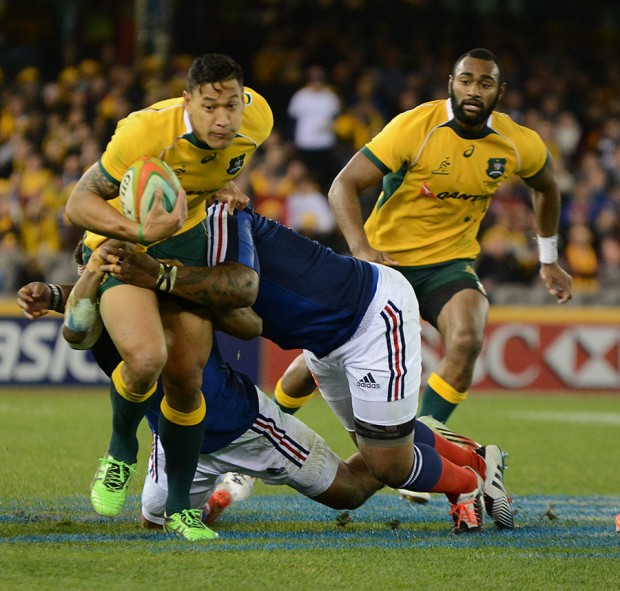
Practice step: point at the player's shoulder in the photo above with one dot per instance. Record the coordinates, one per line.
(533, 152)
(166, 108)
(430, 114)
(436, 109)
(506, 125)
(419, 121)
(257, 116)
(157, 119)
(166, 104)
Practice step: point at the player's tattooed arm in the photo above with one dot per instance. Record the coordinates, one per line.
(228, 284)
(95, 181)
(88, 209)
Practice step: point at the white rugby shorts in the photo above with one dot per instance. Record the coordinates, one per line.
(375, 376)
(277, 448)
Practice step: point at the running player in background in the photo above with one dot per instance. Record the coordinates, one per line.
(440, 165)
(206, 136)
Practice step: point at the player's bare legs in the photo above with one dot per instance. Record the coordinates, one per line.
(392, 465)
(131, 316)
(176, 347)
(189, 337)
(354, 484)
(433, 464)
(461, 324)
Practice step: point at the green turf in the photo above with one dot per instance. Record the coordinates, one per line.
(563, 474)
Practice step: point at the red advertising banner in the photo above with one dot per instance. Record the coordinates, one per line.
(560, 348)
(537, 349)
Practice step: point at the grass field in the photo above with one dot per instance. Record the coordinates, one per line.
(563, 474)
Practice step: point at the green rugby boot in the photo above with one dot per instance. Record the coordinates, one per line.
(188, 525)
(108, 489)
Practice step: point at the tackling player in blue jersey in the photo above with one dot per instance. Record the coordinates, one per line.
(245, 431)
(358, 325)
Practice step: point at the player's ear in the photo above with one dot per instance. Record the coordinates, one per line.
(501, 91)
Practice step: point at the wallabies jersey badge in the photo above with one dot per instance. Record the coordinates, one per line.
(496, 167)
(235, 164)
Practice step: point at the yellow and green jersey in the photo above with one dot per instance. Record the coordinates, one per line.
(439, 180)
(164, 131)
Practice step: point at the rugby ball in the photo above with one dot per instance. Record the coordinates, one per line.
(138, 185)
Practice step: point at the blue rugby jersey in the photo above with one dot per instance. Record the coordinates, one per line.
(231, 398)
(230, 237)
(309, 297)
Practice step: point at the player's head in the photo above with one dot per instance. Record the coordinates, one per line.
(214, 99)
(213, 68)
(475, 87)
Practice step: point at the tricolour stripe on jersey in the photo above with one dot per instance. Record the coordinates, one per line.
(218, 234)
(289, 448)
(395, 341)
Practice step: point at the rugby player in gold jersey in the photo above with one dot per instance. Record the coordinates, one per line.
(206, 136)
(440, 165)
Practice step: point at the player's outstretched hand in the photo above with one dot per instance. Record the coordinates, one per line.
(232, 196)
(373, 255)
(559, 283)
(34, 299)
(160, 224)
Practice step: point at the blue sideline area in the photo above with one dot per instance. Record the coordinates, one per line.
(568, 526)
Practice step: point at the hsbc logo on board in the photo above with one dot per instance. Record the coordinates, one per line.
(539, 356)
(586, 357)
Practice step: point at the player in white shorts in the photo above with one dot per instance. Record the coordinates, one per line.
(279, 449)
(358, 323)
(374, 378)
(245, 431)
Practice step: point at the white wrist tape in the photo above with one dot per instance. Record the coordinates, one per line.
(548, 249)
(80, 315)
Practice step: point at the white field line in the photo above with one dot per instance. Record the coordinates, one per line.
(578, 417)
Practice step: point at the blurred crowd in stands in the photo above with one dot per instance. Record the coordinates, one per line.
(333, 82)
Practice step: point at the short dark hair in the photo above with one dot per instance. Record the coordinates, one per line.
(481, 54)
(213, 67)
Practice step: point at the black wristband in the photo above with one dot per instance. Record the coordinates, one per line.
(56, 303)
